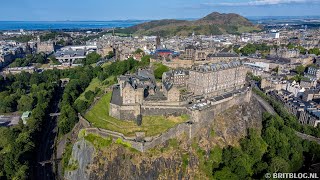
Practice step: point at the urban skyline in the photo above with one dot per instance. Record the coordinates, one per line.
(145, 89)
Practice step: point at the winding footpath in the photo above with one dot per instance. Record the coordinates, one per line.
(270, 110)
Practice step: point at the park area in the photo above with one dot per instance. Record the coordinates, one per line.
(98, 115)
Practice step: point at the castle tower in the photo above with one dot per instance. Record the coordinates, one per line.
(158, 42)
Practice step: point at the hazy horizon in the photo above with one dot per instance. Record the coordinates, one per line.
(191, 18)
(101, 10)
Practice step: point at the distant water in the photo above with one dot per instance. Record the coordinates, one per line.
(69, 25)
(50, 25)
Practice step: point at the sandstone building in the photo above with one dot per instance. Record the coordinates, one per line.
(134, 88)
(45, 47)
(139, 94)
(177, 77)
(214, 79)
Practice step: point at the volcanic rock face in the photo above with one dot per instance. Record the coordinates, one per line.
(179, 158)
(82, 155)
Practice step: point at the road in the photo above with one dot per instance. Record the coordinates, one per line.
(264, 104)
(308, 137)
(270, 110)
(46, 150)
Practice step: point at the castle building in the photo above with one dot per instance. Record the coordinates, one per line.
(171, 92)
(284, 53)
(177, 77)
(201, 55)
(6, 59)
(189, 52)
(215, 79)
(135, 88)
(45, 47)
(139, 94)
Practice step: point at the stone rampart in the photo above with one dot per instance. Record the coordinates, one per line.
(199, 119)
(128, 112)
(163, 110)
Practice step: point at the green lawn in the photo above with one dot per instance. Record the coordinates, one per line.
(99, 117)
(96, 83)
(97, 141)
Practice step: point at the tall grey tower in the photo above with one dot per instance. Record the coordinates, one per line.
(158, 42)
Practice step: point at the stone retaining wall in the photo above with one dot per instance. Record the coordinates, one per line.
(163, 110)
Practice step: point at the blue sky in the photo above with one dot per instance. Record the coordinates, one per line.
(52, 10)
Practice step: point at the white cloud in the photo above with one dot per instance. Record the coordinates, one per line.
(260, 2)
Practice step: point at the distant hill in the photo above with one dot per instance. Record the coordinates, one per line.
(214, 23)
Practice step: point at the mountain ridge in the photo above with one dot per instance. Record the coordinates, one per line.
(212, 24)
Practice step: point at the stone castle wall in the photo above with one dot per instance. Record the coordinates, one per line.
(114, 111)
(124, 112)
(163, 110)
(130, 112)
(200, 119)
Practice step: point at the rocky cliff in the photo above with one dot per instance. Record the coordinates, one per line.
(179, 158)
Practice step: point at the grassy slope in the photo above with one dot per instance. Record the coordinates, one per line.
(92, 86)
(96, 83)
(99, 117)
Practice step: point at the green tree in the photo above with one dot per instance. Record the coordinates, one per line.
(279, 164)
(54, 60)
(22, 38)
(81, 106)
(315, 51)
(25, 103)
(254, 146)
(248, 49)
(22, 173)
(92, 58)
(110, 55)
(300, 69)
(302, 50)
(89, 95)
(145, 61)
(67, 119)
(225, 174)
(290, 46)
(138, 51)
(39, 58)
(160, 70)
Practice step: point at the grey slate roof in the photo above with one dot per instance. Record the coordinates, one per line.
(217, 66)
(70, 53)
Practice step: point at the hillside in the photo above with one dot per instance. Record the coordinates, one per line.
(241, 143)
(181, 158)
(214, 23)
